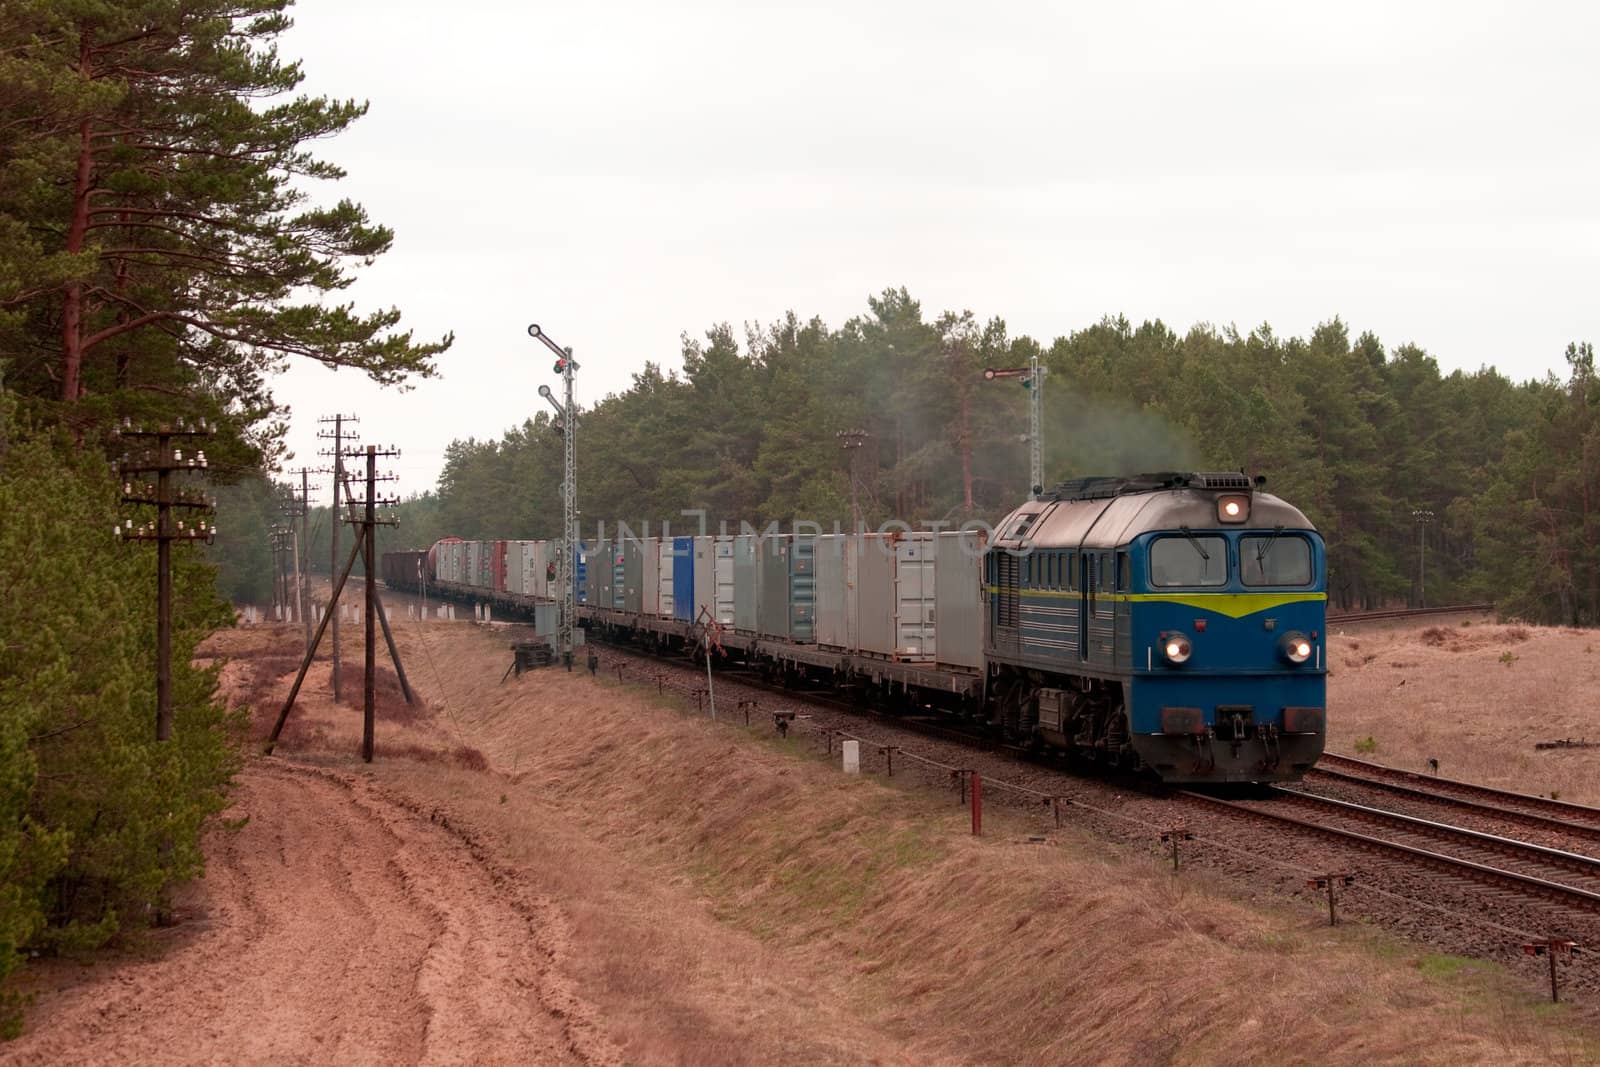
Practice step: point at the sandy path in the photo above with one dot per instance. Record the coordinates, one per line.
(288, 962)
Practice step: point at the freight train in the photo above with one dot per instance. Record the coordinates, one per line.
(1172, 622)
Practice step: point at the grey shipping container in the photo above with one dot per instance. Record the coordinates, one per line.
(895, 581)
(599, 575)
(650, 583)
(474, 550)
(837, 602)
(958, 587)
(746, 583)
(787, 607)
(632, 551)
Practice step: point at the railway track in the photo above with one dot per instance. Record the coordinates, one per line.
(1520, 867)
(1555, 820)
(1520, 881)
(1407, 613)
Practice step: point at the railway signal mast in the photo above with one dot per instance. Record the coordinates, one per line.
(1032, 377)
(567, 575)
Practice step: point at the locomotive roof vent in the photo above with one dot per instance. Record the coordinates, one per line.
(1102, 488)
(1220, 480)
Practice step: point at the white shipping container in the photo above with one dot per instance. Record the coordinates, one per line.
(915, 636)
(895, 587)
(722, 581)
(664, 564)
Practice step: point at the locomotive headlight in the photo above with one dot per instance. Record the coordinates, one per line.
(1233, 508)
(1176, 647)
(1296, 647)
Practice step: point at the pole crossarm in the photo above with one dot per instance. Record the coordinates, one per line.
(165, 459)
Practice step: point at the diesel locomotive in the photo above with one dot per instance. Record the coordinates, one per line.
(1173, 621)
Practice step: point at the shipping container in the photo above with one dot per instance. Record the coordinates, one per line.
(630, 582)
(746, 583)
(619, 579)
(787, 598)
(685, 602)
(914, 632)
(713, 579)
(470, 572)
(958, 590)
(650, 579)
(499, 565)
(837, 602)
(601, 575)
(895, 581)
(666, 576)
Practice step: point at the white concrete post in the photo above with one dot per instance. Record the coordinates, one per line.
(852, 757)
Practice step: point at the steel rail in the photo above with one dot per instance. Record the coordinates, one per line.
(1486, 808)
(1510, 846)
(1406, 613)
(1591, 814)
(1471, 868)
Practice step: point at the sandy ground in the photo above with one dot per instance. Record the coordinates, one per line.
(1475, 696)
(557, 868)
(332, 926)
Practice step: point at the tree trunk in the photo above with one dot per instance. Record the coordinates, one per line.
(72, 304)
(964, 439)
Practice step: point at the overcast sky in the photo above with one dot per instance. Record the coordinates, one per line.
(622, 173)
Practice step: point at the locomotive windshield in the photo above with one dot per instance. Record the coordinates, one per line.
(1188, 561)
(1275, 560)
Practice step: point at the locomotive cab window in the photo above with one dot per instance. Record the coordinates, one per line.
(1281, 559)
(1188, 561)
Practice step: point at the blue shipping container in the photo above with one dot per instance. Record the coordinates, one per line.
(683, 578)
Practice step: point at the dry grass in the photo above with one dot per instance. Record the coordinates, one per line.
(1474, 698)
(730, 900)
(873, 912)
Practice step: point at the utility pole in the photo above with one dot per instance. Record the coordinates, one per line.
(302, 549)
(1032, 377)
(567, 574)
(368, 536)
(277, 537)
(1422, 517)
(338, 437)
(165, 461)
(852, 441)
(365, 547)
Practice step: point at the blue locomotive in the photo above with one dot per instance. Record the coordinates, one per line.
(1171, 621)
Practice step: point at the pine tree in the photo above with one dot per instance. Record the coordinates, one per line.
(152, 190)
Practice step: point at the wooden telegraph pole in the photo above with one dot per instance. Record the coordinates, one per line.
(365, 547)
(339, 436)
(165, 461)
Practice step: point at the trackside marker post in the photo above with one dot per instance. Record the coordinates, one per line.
(1172, 836)
(1552, 948)
(852, 756)
(977, 803)
(1330, 882)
